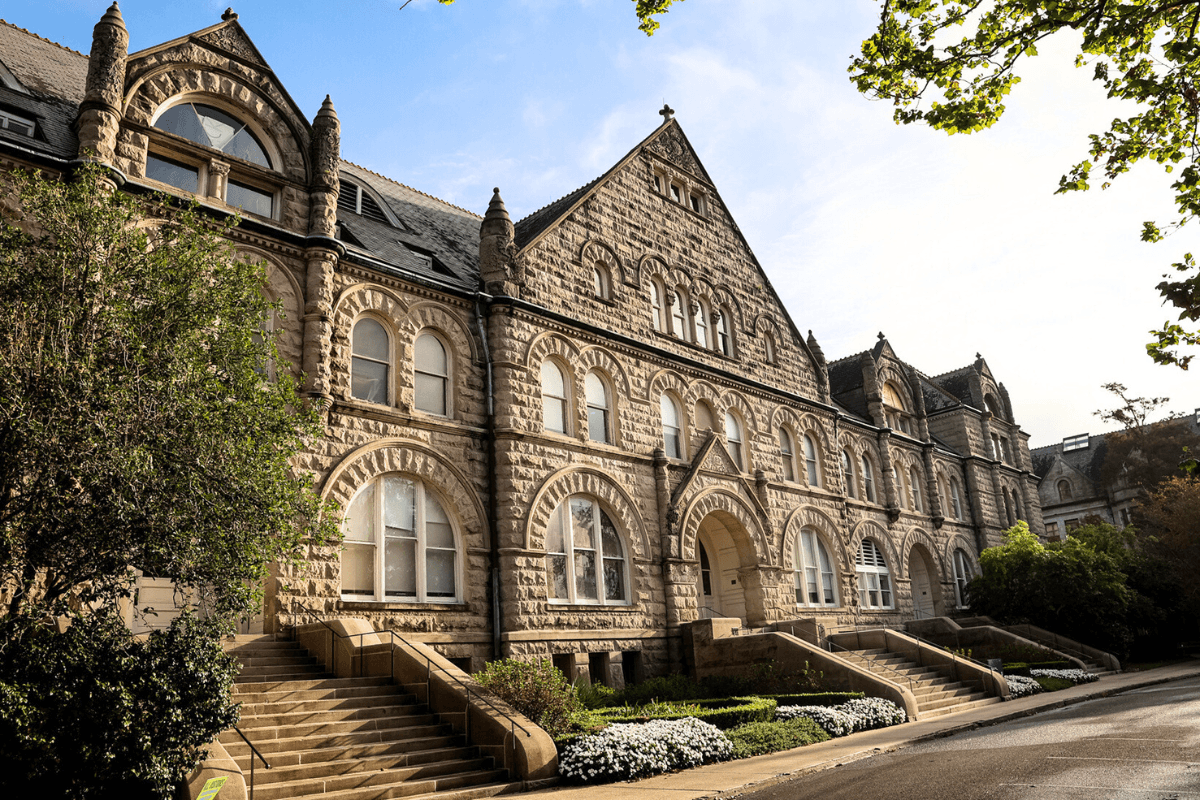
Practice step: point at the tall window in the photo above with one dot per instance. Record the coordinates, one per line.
(915, 485)
(585, 561)
(599, 418)
(1016, 501)
(955, 499)
(700, 320)
(811, 471)
(554, 398)
(601, 283)
(813, 571)
(733, 438)
(724, 342)
(962, 576)
(901, 489)
(400, 545)
(706, 581)
(679, 323)
(874, 580)
(789, 458)
(894, 410)
(769, 348)
(868, 480)
(848, 472)
(656, 306)
(943, 494)
(672, 427)
(1064, 490)
(1008, 514)
(431, 375)
(369, 362)
(706, 418)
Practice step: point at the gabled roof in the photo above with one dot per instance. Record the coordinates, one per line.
(42, 66)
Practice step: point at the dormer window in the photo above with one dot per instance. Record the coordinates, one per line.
(356, 200)
(214, 128)
(17, 124)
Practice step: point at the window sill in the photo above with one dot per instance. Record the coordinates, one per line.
(392, 605)
(562, 605)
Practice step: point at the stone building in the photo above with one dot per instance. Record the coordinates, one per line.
(563, 436)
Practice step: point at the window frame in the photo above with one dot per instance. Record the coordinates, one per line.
(787, 453)
(446, 379)
(602, 282)
(389, 372)
(870, 491)
(963, 574)
(849, 475)
(679, 314)
(562, 511)
(724, 334)
(956, 498)
(10, 118)
(1069, 494)
(658, 306)
(874, 577)
(564, 400)
(606, 409)
(916, 491)
(736, 447)
(812, 460)
(825, 580)
(421, 495)
(680, 451)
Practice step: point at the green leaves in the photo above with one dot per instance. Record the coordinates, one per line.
(950, 63)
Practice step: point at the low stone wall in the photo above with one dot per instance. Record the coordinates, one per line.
(1049, 640)
(947, 633)
(219, 764)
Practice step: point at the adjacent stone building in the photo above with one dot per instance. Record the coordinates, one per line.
(563, 436)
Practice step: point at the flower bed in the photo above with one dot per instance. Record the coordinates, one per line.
(1020, 686)
(725, 713)
(759, 738)
(861, 714)
(625, 752)
(1075, 676)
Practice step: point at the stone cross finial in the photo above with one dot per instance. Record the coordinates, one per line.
(228, 15)
(881, 336)
(667, 112)
(979, 355)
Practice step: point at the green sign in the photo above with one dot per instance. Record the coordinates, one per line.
(211, 787)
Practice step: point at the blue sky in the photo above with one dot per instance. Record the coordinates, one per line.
(949, 245)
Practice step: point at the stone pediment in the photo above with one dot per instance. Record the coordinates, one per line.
(673, 146)
(232, 39)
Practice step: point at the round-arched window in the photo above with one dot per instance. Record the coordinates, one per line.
(813, 571)
(585, 560)
(214, 128)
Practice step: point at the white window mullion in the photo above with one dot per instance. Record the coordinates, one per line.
(419, 558)
(564, 511)
(380, 544)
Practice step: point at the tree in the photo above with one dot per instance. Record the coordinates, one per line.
(951, 63)
(646, 11)
(137, 431)
(1171, 514)
(1144, 452)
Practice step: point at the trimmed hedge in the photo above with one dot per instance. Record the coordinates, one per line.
(816, 699)
(725, 713)
(759, 738)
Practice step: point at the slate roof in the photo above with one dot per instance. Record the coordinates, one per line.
(1087, 460)
(845, 374)
(936, 398)
(448, 234)
(54, 76)
(528, 228)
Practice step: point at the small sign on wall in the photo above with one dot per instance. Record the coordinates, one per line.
(211, 787)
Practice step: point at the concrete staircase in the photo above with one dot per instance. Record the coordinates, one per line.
(936, 693)
(1090, 663)
(345, 738)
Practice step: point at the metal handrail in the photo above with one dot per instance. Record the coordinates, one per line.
(829, 645)
(253, 752)
(513, 724)
(955, 656)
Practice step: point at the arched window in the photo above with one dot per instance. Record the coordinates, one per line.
(901, 489)
(700, 321)
(431, 375)
(733, 439)
(811, 470)
(554, 398)
(956, 499)
(601, 281)
(943, 494)
(679, 323)
(672, 427)
(214, 128)
(399, 545)
(769, 348)
(370, 360)
(724, 341)
(814, 571)
(657, 306)
(962, 576)
(706, 418)
(874, 580)
(848, 472)
(1008, 512)
(868, 480)
(598, 408)
(1017, 510)
(915, 486)
(993, 407)
(1064, 490)
(585, 560)
(789, 458)
(894, 410)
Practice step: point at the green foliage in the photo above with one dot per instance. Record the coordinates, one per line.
(722, 712)
(951, 64)
(96, 712)
(595, 695)
(1143, 453)
(816, 699)
(1054, 684)
(136, 427)
(665, 687)
(535, 689)
(1022, 667)
(759, 738)
(647, 10)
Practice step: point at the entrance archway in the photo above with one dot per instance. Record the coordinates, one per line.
(726, 561)
(919, 571)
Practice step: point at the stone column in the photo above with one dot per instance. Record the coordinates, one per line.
(890, 497)
(100, 112)
(931, 488)
(322, 253)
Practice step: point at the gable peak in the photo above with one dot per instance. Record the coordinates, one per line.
(671, 145)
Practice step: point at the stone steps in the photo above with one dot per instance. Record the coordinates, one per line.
(935, 692)
(345, 738)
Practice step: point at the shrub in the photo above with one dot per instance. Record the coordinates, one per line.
(833, 721)
(668, 688)
(1054, 684)
(1022, 686)
(1023, 668)
(759, 738)
(534, 688)
(595, 695)
(873, 712)
(624, 752)
(817, 699)
(1075, 676)
(724, 713)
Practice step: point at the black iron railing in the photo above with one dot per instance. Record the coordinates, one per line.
(253, 752)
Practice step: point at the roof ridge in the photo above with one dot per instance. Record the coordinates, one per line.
(411, 189)
(847, 358)
(42, 38)
(558, 199)
(951, 372)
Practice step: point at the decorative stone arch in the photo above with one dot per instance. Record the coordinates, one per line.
(667, 380)
(548, 344)
(597, 357)
(810, 516)
(278, 127)
(896, 377)
(596, 483)
(725, 502)
(419, 460)
(281, 286)
(650, 266)
(870, 529)
(959, 541)
(703, 390)
(441, 320)
(357, 301)
(595, 251)
(765, 323)
(735, 399)
(919, 537)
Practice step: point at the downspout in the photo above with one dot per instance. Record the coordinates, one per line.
(493, 518)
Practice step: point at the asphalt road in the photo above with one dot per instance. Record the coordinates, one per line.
(1141, 745)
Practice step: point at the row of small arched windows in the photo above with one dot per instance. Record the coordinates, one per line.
(690, 319)
(371, 368)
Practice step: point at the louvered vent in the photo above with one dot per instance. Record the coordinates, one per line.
(869, 555)
(348, 197)
(371, 209)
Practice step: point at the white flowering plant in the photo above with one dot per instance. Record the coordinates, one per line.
(1075, 676)
(850, 717)
(1020, 686)
(625, 752)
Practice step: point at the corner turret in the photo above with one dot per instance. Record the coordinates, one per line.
(499, 267)
(100, 112)
(326, 152)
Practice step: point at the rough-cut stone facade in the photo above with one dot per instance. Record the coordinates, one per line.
(641, 279)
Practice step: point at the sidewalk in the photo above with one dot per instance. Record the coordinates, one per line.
(731, 777)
